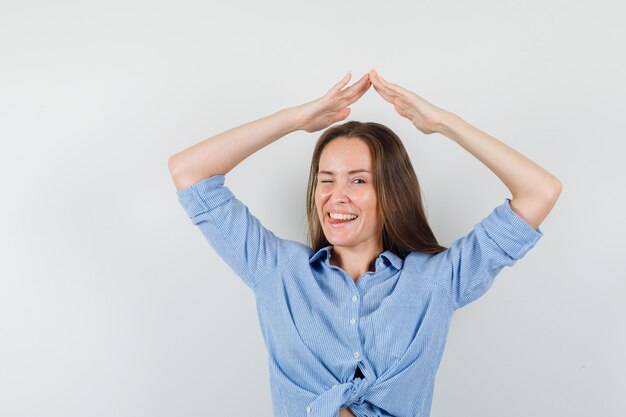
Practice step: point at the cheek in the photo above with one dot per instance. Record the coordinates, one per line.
(369, 202)
(320, 198)
(318, 204)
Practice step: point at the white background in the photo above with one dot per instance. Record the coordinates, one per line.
(113, 304)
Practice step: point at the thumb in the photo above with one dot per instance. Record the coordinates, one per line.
(340, 116)
(344, 113)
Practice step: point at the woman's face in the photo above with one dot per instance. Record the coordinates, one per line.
(339, 190)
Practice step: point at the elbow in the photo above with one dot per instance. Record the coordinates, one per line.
(180, 182)
(172, 165)
(175, 173)
(554, 189)
(546, 189)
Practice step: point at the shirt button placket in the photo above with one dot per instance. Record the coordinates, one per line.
(352, 322)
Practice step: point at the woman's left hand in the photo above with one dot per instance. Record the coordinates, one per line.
(346, 412)
(425, 116)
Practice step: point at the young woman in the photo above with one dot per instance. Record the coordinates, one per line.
(355, 323)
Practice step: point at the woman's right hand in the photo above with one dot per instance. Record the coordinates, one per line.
(332, 106)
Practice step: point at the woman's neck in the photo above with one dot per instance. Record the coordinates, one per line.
(356, 261)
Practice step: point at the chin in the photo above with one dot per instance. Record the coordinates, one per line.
(339, 242)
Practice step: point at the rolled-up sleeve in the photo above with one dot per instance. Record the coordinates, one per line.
(233, 232)
(468, 267)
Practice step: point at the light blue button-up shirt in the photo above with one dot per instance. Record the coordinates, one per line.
(319, 325)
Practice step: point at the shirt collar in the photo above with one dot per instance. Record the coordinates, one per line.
(391, 257)
(322, 253)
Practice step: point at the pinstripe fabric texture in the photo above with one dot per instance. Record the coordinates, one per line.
(319, 325)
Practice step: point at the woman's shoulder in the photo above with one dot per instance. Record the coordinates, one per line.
(423, 263)
(414, 259)
(294, 251)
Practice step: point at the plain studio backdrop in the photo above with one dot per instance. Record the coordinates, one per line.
(113, 304)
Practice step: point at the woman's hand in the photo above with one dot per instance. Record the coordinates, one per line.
(424, 115)
(346, 412)
(332, 106)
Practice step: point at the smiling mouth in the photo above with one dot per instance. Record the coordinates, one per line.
(339, 221)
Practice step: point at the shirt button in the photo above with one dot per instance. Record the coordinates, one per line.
(308, 410)
(356, 354)
(334, 385)
(352, 321)
(380, 264)
(354, 298)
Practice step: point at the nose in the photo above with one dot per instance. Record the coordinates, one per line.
(339, 193)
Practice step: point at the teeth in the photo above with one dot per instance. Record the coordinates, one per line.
(342, 216)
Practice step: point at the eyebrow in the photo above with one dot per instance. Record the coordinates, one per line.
(354, 171)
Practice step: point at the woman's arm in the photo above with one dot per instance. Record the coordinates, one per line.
(221, 153)
(534, 190)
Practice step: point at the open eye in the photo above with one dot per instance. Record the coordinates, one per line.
(359, 179)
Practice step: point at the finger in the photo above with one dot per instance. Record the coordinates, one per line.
(340, 115)
(342, 83)
(383, 85)
(389, 91)
(356, 88)
(384, 92)
(376, 81)
(394, 87)
(359, 94)
(381, 79)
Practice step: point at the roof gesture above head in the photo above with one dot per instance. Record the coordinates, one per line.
(333, 107)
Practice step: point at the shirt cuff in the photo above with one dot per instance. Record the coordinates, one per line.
(204, 196)
(510, 231)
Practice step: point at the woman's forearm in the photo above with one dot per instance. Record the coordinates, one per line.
(522, 177)
(221, 153)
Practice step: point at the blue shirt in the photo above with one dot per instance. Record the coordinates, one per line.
(319, 325)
